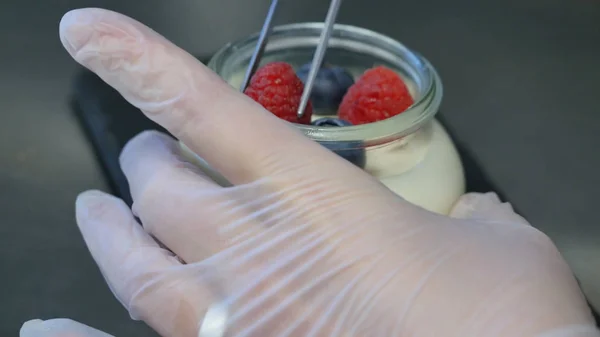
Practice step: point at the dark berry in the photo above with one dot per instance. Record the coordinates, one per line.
(331, 122)
(331, 85)
(352, 151)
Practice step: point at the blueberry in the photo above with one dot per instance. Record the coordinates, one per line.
(331, 122)
(352, 151)
(330, 86)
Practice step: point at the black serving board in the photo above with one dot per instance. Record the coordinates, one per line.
(110, 122)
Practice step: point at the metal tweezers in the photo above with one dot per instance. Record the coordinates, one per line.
(334, 7)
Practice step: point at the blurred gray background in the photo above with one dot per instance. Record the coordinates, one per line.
(521, 88)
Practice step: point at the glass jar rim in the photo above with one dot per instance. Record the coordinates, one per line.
(424, 108)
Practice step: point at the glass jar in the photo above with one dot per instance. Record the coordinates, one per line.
(410, 153)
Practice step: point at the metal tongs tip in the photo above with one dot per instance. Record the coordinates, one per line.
(317, 60)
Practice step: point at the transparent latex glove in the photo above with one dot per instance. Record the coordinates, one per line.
(303, 243)
(59, 327)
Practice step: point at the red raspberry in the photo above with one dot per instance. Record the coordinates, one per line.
(378, 94)
(277, 88)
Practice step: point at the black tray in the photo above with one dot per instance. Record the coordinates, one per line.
(110, 121)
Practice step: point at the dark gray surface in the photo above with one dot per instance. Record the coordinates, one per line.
(521, 84)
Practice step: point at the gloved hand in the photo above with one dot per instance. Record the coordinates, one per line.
(304, 243)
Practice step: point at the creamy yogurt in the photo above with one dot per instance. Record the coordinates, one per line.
(423, 168)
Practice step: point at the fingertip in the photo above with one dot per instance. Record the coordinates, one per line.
(58, 327)
(468, 204)
(87, 198)
(95, 206)
(74, 30)
(493, 197)
(89, 194)
(146, 152)
(32, 328)
(485, 206)
(144, 141)
(91, 198)
(98, 38)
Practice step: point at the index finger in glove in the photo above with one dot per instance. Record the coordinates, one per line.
(235, 135)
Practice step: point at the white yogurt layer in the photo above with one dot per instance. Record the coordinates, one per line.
(424, 168)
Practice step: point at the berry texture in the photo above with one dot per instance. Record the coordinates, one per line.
(276, 87)
(378, 94)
